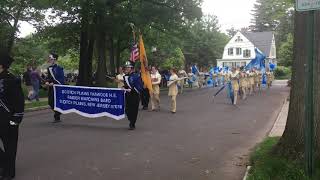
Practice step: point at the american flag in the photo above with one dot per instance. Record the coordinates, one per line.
(134, 53)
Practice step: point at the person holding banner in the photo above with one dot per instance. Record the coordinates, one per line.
(133, 87)
(173, 90)
(155, 95)
(55, 76)
(11, 115)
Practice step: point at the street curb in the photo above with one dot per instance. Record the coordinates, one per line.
(37, 109)
(275, 121)
(278, 117)
(247, 173)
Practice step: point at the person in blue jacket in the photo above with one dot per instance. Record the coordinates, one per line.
(133, 86)
(55, 76)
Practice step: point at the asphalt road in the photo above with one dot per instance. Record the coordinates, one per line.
(203, 140)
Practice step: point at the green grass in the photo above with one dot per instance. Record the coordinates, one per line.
(36, 104)
(266, 166)
(283, 77)
(42, 92)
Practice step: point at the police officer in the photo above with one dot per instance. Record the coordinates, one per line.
(55, 76)
(133, 86)
(11, 114)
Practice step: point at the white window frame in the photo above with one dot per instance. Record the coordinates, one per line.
(246, 53)
(230, 52)
(238, 51)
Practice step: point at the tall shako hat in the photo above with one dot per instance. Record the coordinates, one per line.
(129, 64)
(5, 59)
(53, 56)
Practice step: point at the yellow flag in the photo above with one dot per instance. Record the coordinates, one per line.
(145, 74)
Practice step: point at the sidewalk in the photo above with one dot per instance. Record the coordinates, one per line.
(280, 124)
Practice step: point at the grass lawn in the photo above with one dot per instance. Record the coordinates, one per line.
(266, 166)
(36, 104)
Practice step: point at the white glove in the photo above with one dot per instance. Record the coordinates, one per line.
(13, 123)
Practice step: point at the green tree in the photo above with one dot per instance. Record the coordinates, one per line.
(176, 60)
(204, 42)
(14, 11)
(28, 52)
(285, 53)
(274, 15)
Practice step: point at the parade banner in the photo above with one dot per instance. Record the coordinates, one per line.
(91, 102)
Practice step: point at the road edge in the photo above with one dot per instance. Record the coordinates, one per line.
(268, 134)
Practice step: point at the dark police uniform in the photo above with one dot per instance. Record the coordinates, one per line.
(55, 76)
(134, 83)
(11, 114)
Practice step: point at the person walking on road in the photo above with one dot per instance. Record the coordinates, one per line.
(235, 85)
(55, 76)
(182, 74)
(11, 113)
(173, 90)
(133, 87)
(155, 96)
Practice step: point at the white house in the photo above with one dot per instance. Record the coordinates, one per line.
(241, 48)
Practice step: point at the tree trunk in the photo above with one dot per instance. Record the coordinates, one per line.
(86, 48)
(101, 46)
(291, 144)
(111, 49)
(118, 55)
(12, 36)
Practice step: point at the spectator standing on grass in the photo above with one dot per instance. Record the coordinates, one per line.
(27, 81)
(35, 81)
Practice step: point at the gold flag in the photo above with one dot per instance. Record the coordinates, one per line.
(145, 74)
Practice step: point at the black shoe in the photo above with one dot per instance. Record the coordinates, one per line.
(131, 128)
(145, 108)
(57, 121)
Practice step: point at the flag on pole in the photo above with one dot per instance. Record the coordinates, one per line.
(258, 62)
(145, 74)
(134, 53)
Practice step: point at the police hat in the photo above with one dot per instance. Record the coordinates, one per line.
(53, 56)
(129, 64)
(5, 59)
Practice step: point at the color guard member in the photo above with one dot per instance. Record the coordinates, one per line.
(155, 96)
(173, 90)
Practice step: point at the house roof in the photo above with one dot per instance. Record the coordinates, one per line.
(262, 40)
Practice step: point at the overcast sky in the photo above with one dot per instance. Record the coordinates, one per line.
(231, 13)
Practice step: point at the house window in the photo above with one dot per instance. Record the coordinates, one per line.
(246, 53)
(238, 51)
(230, 51)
